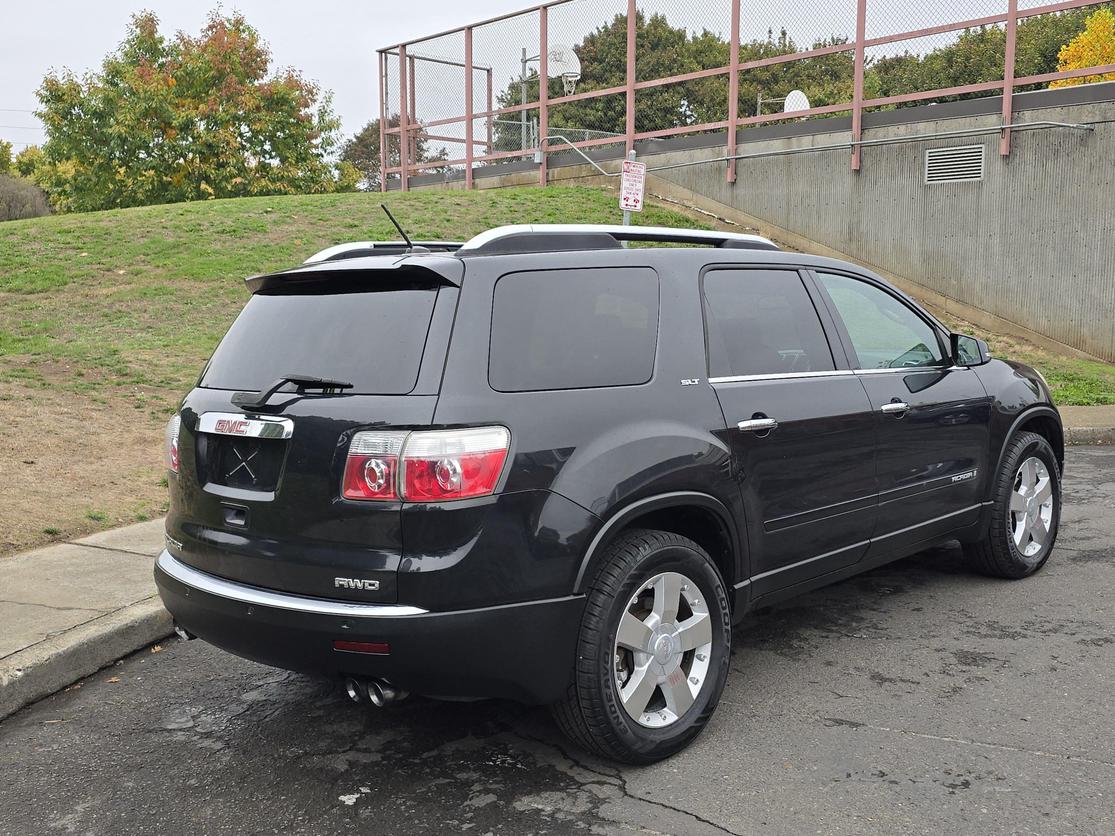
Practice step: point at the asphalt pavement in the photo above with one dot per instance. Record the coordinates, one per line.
(918, 698)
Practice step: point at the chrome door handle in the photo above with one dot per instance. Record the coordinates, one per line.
(757, 424)
(895, 408)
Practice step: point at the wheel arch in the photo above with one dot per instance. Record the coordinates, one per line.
(699, 516)
(1042, 420)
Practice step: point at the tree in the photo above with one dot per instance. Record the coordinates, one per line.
(362, 152)
(188, 118)
(977, 56)
(665, 50)
(29, 161)
(1092, 47)
(5, 157)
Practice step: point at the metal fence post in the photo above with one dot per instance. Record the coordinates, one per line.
(543, 89)
(468, 107)
(857, 85)
(1008, 75)
(630, 120)
(382, 121)
(491, 143)
(733, 90)
(404, 149)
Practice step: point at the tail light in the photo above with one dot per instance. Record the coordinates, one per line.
(428, 466)
(372, 468)
(172, 428)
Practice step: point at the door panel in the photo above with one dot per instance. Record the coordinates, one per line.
(801, 431)
(933, 419)
(808, 485)
(932, 459)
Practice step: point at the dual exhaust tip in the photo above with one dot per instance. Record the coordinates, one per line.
(378, 692)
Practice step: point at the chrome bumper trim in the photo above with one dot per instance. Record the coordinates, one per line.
(205, 582)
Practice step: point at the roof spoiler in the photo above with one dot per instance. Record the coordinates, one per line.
(528, 238)
(440, 269)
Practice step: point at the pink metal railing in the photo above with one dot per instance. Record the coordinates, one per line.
(410, 130)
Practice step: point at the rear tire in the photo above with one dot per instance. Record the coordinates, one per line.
(653, 651)
(1026, 512)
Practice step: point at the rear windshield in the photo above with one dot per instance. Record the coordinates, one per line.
(372, 339)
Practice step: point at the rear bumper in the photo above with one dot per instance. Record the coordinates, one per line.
(524, 651)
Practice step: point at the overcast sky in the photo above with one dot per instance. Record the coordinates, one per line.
(331, 41)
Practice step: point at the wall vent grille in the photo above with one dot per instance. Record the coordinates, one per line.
(954, 165)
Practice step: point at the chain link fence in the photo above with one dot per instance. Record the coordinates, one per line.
(603, 74)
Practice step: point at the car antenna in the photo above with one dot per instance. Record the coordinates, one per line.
(410, 244)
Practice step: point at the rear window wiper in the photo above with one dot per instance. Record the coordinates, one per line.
(257, 400)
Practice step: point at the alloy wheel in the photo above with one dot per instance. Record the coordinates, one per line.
(662, 650)
(1031, 507)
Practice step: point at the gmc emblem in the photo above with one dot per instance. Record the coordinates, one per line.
(356, 583)
(227, 426)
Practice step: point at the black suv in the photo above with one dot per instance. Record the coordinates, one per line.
(549, 467)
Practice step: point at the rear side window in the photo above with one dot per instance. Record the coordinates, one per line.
(573, 329)
(372, 339)
(762, 322)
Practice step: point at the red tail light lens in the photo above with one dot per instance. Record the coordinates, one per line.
(174, 425)
(372, 467)
(453, 464)
(429, 466)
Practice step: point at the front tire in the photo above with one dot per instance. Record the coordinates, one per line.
(653, 651)
(1026, 512)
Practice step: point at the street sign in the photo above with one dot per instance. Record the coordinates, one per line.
(632, 185)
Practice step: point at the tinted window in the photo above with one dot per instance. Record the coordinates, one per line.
(762, 322)
(885, 332)
(371, 339)
(572, 329)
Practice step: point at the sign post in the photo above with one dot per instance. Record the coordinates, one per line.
(632, 187)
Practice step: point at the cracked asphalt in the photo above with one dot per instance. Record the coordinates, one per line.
(917, 698)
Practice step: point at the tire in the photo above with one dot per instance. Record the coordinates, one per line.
(640, 573)
(1001, 552)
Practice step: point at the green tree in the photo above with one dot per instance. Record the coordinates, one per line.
(665, 50)
(977, 56)
(5, 157)
(29, 161)
(187, 118)
(362, 152)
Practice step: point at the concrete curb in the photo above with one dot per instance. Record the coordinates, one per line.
(60, 661)
(1089, 435)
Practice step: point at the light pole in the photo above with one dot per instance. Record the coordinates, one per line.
(523, 97)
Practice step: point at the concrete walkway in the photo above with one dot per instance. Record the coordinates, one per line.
(70, 609)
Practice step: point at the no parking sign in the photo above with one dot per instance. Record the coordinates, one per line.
(632, 185)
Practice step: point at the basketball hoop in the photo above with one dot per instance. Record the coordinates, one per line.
(563, 62)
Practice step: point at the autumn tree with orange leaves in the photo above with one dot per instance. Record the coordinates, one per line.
(1093, 47)
(186, 118)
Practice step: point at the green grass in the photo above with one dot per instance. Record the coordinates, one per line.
(133, 301)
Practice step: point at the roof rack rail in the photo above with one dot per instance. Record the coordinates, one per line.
(526, 238)
(359, 249)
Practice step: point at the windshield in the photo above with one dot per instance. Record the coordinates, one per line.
(372, 339)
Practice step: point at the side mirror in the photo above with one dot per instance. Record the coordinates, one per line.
(969, 351)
